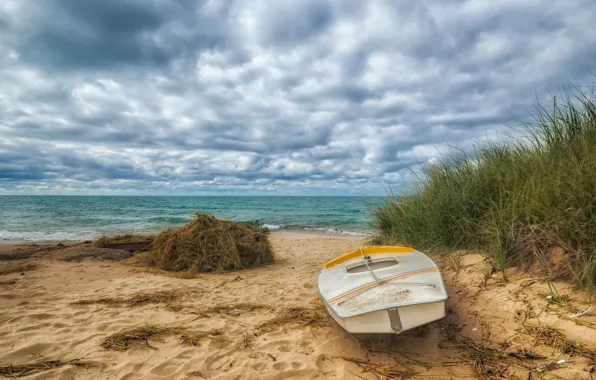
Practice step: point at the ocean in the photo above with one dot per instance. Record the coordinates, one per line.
(67, 218)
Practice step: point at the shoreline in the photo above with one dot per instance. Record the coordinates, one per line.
(307, 231)
(61, 220)
(7, 246)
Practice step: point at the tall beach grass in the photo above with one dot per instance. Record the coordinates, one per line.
(518, 199)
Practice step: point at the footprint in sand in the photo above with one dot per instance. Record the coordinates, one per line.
(39, 317)
(259, 366)
(280, 366)
(170, 366)
(216, 362)
(34, 327)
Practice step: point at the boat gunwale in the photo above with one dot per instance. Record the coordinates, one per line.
(370, 250)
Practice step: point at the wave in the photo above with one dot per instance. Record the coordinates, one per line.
(38, 236)
(91, 234)
(325, 230)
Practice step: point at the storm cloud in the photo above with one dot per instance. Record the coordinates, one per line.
(269, 97)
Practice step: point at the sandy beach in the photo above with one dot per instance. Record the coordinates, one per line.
(269, 323)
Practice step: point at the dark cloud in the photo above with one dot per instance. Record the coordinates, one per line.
(71, 34)
(326, 96)
(291, 23)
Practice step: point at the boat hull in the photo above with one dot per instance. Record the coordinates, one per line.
(384, 321)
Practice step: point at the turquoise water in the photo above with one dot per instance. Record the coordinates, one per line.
(62, 218)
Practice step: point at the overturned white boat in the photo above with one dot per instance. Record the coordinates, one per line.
(383, 290)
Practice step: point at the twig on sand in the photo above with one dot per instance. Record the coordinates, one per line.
(129, 338)
(32, 368)
(557, 340)
(357, 375)
(294, 316)
(140, 299)
(382, 370)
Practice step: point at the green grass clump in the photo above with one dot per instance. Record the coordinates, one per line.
(516, 199)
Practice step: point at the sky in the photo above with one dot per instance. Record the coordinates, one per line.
(309, 97)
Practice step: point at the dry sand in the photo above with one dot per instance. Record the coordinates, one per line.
(489, 319)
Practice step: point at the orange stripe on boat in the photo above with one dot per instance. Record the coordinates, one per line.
(388, 279)
(368, 251)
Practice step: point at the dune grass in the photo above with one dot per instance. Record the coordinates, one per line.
(516, 199)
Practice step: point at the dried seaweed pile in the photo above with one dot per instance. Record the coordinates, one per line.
(103, 241)
(126, 339)
(33, 368)
(554, 338)
(208, 244)
(398, 371)
(141, 299)
(295, 316)
(17, 268)
(235, 310)
(194, 338)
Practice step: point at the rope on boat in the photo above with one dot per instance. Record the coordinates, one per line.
(366, 259)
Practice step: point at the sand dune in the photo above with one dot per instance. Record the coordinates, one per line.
(264, 323)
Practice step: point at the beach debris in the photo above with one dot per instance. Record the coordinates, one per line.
(526, 355)
(295, 316)
(235, 310)
(580, 313)
(557, 340)
(121, 241)
(211, 245)
(129, 338)
(17, 268)
(141, 299)
(286, 317)
(33, 368)
(80, 253)
(550, 366)
(7, 283)
(384, 371)
(72, 252)
(487, 362)
(194, 338)
(126, 339)
(132, 246)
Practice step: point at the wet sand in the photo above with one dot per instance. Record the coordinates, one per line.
(269, 323)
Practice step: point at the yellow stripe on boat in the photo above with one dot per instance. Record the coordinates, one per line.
(368, 251)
